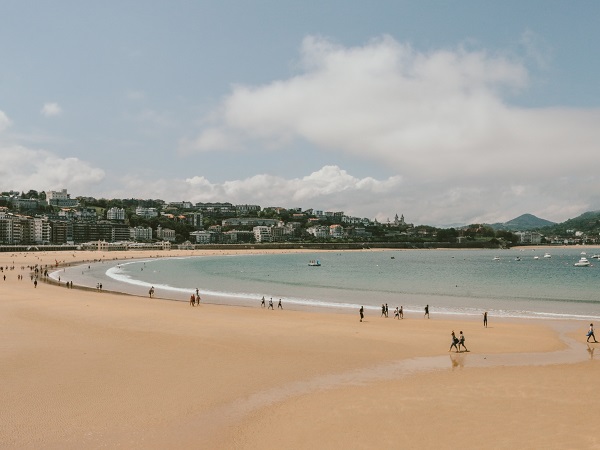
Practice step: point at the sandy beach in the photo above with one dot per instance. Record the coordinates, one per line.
(88, 369)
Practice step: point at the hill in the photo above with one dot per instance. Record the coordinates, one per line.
(588, 222)
(522, 223)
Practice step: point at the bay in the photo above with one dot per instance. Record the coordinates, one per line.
(518, 283)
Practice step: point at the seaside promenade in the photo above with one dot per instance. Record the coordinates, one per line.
(88, 369)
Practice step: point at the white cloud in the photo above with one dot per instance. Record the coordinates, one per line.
(24, 168)
(51, 110)
(439, 119)
(328, 188)
(5, 122)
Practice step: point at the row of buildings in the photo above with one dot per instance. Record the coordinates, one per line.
(56, 218)
(23, 229)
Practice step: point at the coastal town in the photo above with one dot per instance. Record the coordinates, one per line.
(55, 218)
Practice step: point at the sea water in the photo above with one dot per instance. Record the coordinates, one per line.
(510, 283)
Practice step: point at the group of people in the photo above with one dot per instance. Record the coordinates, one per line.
(263, 304)
(458, 342)
(194, 298)
(398, 312)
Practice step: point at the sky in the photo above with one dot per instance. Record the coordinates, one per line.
(448, 112)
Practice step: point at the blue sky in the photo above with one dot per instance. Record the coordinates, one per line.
(447, 112)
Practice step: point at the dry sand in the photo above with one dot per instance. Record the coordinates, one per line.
(84, 369)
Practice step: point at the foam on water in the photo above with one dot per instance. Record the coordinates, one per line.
(461, 283)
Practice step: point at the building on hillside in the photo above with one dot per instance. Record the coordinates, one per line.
(249, 222)
(61, 199)
(181, 205)
(115, 213)
(147, 213)
(244, 210)
(166, 234)
(217, 209)
(194, 219)
(23, 204)
(203, 237)
(318, 231)
(140, 233)
(529, 237)
(88, 214)
(336, 231)
(262, 234)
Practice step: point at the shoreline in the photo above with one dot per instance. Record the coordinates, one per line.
(90, 279)
(83, 369)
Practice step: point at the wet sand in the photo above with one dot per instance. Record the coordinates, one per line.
(88, 369)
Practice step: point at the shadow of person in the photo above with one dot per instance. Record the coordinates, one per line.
(457, 361)
(590, 350)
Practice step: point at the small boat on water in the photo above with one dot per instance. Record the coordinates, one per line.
(518, 258)
(314, 263)
(583, 262)
(547, 255)
(595, 256)
(496, 258)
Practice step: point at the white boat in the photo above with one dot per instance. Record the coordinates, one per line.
(547, 255)
(496, 258)
(518, 258)
(595, 256)
(536, 257)
(583, 262)
(314, 263)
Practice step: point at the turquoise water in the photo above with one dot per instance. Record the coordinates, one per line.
(464, 282)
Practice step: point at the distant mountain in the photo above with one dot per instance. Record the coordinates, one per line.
(522, 223)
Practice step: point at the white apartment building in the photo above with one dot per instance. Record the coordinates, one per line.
(60, 198)
(336, 231)
(318, 231)
(140, 233)
(115, 213)
(262, 234)
(147, 213)
(529, 237)
(41, 230)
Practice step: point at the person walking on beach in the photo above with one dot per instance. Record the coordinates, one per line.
(386, 310)
(454, 342)
(271, 304)
(198, 299)
(262, 302)
(382, 310)
(400, 313)
(426, 311)
(485, 319)
(461, 341)
(590, 333)
(192, 300)
(361, 311)
(279, 305)
(396, 313)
